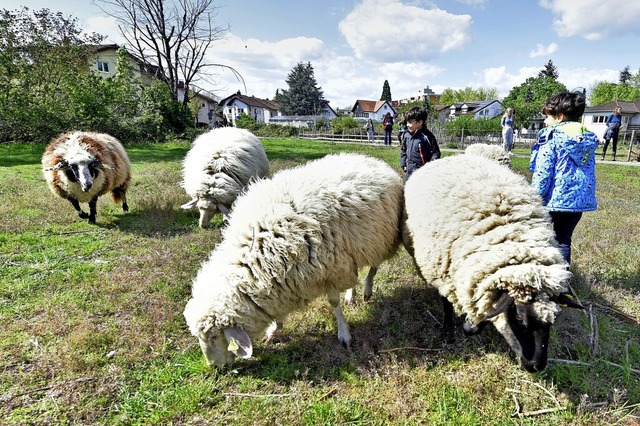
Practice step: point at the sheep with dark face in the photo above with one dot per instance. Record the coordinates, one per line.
(479, 234)
(217, 168)
(82, 166)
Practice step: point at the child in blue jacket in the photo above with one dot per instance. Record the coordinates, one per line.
(563, 165)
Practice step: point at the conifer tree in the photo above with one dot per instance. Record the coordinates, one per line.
(386, 92)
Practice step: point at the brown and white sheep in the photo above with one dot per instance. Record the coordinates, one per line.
(82, 166)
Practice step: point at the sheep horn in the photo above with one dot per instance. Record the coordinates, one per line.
(503, 303)
(567, 300)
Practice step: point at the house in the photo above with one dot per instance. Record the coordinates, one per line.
(258, 109)
(479, 109)
(594, 117)
(423, 95)
(104, 63)
(325, 115)
(363, 110)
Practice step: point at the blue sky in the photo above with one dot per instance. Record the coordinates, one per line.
(355, 45)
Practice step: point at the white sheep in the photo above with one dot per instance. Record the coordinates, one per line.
(218, 166)
(290, 239)
(82, 166)
(492, 152)
(479, 234)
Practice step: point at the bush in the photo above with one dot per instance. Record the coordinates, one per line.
(344, 123)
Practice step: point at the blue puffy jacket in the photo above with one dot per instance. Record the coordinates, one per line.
(564, 167)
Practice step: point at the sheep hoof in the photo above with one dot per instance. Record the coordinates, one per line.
(125, 207)
(366, 297)
(83, 215)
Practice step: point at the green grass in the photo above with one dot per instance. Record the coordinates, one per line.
(93, 331)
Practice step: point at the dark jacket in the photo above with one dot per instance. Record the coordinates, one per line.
(613, 123)
(418, 149)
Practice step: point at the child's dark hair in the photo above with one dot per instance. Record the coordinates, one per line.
(417, 113)
(570, 104)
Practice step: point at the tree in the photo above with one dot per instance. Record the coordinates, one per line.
(605, 91)
(527, 99)
(468, 94)
(43, 56)
(386, 92)
(549, 70)
(625, 75)
(303, 97)
(173, 37)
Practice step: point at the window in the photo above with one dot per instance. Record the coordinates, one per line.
(103, 66)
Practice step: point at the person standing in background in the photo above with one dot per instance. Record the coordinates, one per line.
(507, 130)
(370, 130)
(419, 145)
(387, 125)
(613, 122)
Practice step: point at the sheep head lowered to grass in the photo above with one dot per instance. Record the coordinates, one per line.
(290, 239)
(82, 166)
(217, 168)
(479, 234)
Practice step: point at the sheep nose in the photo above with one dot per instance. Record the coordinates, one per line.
(86, 187)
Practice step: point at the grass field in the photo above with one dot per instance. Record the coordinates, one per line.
(92, 328)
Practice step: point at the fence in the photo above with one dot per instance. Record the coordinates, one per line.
(458, 140)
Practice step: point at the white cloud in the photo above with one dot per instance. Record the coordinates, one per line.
(503, 81)
(377, 30)
(107, 26)
(541, 50)
(593, 19)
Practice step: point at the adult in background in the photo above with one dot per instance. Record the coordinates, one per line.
(419, 145)
(370, 132)
(387, 124)
(613, 122)
(507, 130)
(564, 166)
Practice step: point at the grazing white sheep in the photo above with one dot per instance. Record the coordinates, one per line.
(492, 152)
(290, 239)
(218, 166)
(479, 234)
(82, 166)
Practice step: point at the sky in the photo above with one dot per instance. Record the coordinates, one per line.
(355, 45)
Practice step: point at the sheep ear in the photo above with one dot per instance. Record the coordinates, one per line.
(239, 342)
(567, 300)
(190, 204)
(502, 305)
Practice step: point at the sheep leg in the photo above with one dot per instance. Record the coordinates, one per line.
(125, 206)
(368, 283)
(449, 316)
(92, 209)
(344, 335)
(349, 296)
(272, 331)
(76, 205)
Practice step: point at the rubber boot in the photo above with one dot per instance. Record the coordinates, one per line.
(613, 156)
(604, 151)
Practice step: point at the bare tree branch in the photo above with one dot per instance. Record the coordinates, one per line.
(173, 37)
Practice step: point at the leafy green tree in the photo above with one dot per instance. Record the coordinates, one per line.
(468, 94)
(426, 104)
(549, 70)
(527, 98)
(386, 92)
(303, 97)
(605, 91)
(43, 55)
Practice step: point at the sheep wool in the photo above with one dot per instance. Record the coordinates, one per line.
(492, 152)
(290, 239)
(82, 166)
(218, 167)
(477, 230)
